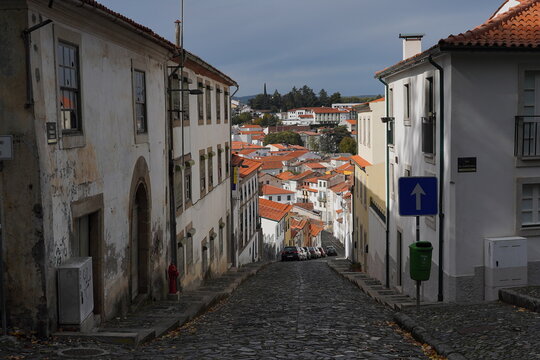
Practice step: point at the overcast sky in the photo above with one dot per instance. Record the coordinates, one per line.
(332, 44)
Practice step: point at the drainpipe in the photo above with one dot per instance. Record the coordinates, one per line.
(441, 174)
(387, 255)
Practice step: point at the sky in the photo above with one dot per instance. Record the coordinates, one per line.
(337, 45)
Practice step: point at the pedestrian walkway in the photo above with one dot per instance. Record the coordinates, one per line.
(371, 286)
(159, 317)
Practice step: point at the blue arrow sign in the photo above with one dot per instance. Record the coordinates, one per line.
(417, 196)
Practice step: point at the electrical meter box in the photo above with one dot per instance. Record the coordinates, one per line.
(505, 264)
(75, 291)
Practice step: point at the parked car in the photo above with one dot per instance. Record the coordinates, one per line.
(290, 253)
(314, 253)
(308, 254)
(331, 251)
(303, 254)
(323, 253)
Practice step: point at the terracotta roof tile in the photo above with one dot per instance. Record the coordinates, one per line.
(519, 27)
(252, 166)
(273, 210)
(270, 165)
(308, 206)
(360, 161)
(285, 175)
(274, 190)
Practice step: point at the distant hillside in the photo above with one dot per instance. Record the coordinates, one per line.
(245, 99)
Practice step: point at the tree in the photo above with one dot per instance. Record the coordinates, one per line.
(242, 118)
(347, 145)
(331, 138)
(269, 120)
(335, 98)
(283, 137)
(324, 100)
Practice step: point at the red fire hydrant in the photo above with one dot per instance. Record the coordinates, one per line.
(173, 275)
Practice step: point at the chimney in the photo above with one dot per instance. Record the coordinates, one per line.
(412, 44)
(177, 24)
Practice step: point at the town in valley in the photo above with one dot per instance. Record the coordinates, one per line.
(152, 209)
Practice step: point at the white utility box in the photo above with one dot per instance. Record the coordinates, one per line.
(75, 291)
(505, 264)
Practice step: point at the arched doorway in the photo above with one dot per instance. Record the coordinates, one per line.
(139, 243)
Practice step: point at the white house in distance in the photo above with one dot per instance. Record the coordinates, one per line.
(275, 224)
(277, 194)
(467, 112)
(247, 241)
(317, 116)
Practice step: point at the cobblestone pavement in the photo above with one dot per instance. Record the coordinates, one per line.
(493, 330)
(296, 310)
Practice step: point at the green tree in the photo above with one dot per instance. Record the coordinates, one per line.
(269, 120)
(242, 118)
(331, 138)
(347, 145)
(283, 137)
(324, 100)
(335, 98)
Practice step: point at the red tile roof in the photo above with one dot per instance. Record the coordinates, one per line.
(315, 229)
(274, 190)
(308, 206)
(305, 116)
(342, 158)
(252, 132)
(339, 211)
(353, 122)
(315, 166)
(271, 165)
(519, 27)
(378, 100)
(340, 187)
(303, 175)
(345, 167)
(285, 175)
(273, 210)
(252, 166)
(358, 160)
(247, 126)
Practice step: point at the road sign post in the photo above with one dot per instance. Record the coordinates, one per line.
(417, 197)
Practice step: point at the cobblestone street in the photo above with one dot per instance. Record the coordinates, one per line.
(300, 310)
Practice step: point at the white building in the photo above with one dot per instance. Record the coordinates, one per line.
(247, 239)
(275, 226)
(465, 111)
(278, 194)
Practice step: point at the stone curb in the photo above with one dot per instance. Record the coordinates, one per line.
(522, 300)
(423, 336)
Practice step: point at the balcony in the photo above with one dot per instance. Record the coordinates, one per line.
(527, 137)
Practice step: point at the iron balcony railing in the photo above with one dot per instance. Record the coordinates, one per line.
(527, 137)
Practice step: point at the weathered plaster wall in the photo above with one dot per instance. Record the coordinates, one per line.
(105, 164)
(21, 203)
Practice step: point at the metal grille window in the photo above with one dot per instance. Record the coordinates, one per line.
(139, 90)
(227, 159)
(428, 135)
(175, 98)
(530, 205)
(68, 78)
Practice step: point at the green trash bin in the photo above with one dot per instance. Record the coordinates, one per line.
(420, 260)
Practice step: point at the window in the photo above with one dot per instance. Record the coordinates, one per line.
(200, 102)
(530, 205)
(269, 198)
(219, 164)
(188, 181)
(189, 246)
(289, 197)
(68, 78)
(208, 104)
(407, 104)
(227, 159)
(202, 172)
(368, 131)
(218, 105)
(221, 226)
(174, 83)
(139, 91)
(185, 101)
(226, 107)
(527, 123)
(279, 198)
(390, 124)
(210, 162)
(178, 190)
(430, 97)
(428, 135)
